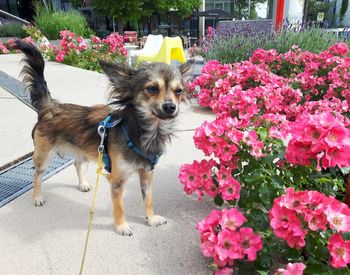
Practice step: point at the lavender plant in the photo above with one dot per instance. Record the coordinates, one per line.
(236, 42)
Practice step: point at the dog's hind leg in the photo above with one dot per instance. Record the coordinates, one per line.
(41, 158)
(84, 186)
(146, 178)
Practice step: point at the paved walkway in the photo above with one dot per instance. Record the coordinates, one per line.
(50, 239)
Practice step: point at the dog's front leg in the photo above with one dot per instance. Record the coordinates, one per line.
(146, 178)
(120, 225)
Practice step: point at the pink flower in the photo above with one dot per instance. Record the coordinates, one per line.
(228, 245)
(250, 243)
(291, 269)
(60, 56)
(29, 39)
(229, 189)
(339, 49)
(232, 219)
(338, 216)
(3, 49)
(222, 239)
(287, 226)
(197, 177)
(339, 250)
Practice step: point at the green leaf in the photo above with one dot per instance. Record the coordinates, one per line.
(218, 200)
(263, 133)
(266, 195)
(315, 269)
(265, 260)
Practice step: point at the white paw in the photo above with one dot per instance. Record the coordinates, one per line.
(156, 220)
(39, 201)
(85, 187)
(123, 229)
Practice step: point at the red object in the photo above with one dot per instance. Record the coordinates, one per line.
(279, 14)
(130, 37)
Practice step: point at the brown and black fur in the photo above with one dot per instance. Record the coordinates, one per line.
(146, 98)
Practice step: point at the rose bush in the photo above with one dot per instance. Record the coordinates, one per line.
(73, 49)
(277, 154)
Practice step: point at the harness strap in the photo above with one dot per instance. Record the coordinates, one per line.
(103, 132)
(152, 158)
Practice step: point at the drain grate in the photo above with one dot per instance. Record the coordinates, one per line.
(18, 179)
(15, 87)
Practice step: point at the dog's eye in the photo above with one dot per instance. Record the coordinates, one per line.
(153, 89)
(178, 91)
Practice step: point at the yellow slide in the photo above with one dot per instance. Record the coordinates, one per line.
(171, 49)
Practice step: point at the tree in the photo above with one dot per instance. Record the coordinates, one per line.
(131, 10)
(314, 7)
(240, 8)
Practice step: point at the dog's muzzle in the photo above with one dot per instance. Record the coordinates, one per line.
(169, 108)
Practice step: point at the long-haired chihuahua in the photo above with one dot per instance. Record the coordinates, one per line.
(145, 102)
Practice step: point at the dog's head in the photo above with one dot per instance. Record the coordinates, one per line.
(154, 89)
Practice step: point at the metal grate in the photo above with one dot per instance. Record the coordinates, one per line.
(18, 178)
(15, 87)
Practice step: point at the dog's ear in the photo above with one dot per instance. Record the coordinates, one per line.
(121, 77)
(117, 71)
(186, 70)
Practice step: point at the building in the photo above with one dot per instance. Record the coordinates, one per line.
(170, 23)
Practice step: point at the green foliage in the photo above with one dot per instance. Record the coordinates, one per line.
(130, 10)
(12, 29)
(316, 6)
(239, 47)
(240, 9)
(51, 23)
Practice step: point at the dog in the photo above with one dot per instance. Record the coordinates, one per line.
(145, 101)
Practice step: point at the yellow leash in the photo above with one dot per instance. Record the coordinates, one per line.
(98, 172)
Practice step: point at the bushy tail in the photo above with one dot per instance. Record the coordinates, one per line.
(33, 76)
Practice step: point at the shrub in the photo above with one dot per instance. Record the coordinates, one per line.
(277, 153)
(75, 51)
(51, 23)
(233, 45)
(12, 29)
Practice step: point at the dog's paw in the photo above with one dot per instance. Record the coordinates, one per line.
(39, 201)
(156, 220)
(85, 187)
(123, 229)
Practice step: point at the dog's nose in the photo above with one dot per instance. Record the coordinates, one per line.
(169, 108)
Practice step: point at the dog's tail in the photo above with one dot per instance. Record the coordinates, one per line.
(33, 76)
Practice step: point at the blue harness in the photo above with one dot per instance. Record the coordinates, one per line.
(102, 130)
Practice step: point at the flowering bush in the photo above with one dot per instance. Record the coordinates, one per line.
(73, 49)
(297, 214)
(282, 124)
(8, 47)
(225, 240)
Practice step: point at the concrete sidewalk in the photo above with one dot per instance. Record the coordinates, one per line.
(50, 239)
